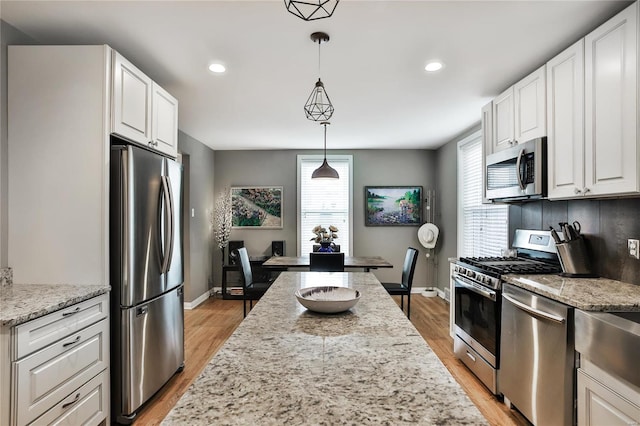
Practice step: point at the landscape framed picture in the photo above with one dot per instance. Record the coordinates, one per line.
(256, 207)
(393, 205)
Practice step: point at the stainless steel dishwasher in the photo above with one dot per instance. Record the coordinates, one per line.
(537, 357)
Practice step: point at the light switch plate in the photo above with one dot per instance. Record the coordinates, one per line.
(633, 247)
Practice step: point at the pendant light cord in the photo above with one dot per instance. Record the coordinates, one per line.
(319, 69)
(325, 140)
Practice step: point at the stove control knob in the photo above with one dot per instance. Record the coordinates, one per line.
(471, 274)
(482, 279)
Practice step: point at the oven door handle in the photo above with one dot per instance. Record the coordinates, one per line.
(486, 293)
(534, 311)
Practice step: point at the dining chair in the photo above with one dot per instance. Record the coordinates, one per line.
(404, 287)
(250, 290)
(326, 262)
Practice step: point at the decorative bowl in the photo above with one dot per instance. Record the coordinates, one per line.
(328, 299)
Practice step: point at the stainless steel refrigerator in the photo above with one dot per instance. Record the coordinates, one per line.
(147, 298)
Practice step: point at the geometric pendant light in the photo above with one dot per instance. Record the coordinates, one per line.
(325, 171)
(318, 106)
(310, 10)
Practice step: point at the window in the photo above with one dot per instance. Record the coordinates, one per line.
(483, 229)
(324, 201)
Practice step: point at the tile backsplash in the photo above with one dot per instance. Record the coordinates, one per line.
(6, 276)
(606, 226)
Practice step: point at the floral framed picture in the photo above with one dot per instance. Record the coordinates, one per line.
(393, 205)
(256, 207)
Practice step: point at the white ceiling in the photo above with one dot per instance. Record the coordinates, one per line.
(373, 66)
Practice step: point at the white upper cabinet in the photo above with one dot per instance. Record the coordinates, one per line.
(503, 126)
(519, 112)
(565, 123)
(529, 98)
(164, 125)
(143, 112)
(131, 101)
(58, 175)
(611, 114)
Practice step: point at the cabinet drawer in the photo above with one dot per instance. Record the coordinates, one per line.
(88, 405)
(46, 377)
(38, 333)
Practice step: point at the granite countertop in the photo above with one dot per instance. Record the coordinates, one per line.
(286, 365)
(588, 294)
(20, 303)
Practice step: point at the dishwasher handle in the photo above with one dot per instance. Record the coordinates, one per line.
(535, 312)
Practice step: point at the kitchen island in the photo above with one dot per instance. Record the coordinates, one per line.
(286, 365)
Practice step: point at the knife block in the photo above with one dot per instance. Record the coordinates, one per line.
(574, 258)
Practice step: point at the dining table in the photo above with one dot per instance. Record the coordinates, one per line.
(287, 365)
(363, 262)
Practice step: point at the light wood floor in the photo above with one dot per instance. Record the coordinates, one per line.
(209, 325)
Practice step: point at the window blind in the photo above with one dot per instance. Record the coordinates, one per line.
(485, 227)
(324, 202)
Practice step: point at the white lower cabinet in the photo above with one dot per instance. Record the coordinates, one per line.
(65, 381)
(604, 400)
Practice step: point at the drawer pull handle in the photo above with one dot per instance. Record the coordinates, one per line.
(64, 345)
(68, 404)
(68, 314)
(473, 358)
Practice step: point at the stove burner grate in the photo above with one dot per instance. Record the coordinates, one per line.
(512, 265)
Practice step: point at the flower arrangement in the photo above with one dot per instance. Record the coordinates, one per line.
(323, 236)
(220, 218)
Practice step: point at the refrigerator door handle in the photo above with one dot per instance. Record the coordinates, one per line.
(172, 224)
(167, 224)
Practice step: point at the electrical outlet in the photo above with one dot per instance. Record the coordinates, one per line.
(633, 247)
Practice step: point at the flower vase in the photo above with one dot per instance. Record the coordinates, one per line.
(325, 247)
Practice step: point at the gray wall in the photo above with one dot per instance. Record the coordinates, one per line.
(371, 167)
(447, 210)
(198, 161)
(8, 35)
(606, 224)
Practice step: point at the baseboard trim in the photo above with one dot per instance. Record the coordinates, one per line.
(195, 303)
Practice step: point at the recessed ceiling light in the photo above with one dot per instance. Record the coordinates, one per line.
(433, 66)
(217, 68)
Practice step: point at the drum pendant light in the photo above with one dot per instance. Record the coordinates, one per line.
(310, 10)
(318, 106)
(325, 171)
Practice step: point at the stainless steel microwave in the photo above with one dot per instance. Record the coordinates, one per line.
(517, 173)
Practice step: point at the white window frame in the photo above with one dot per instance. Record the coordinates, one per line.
(474, 137)
(306, 233)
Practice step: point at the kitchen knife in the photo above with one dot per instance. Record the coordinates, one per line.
(565, 231)
(555, 235)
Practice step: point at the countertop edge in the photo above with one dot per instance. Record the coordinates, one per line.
(84, 293)
(576, 302)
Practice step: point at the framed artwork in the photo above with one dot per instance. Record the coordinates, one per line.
(256, 207)
(393, 205)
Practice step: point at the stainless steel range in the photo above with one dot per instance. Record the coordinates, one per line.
(477, 293)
